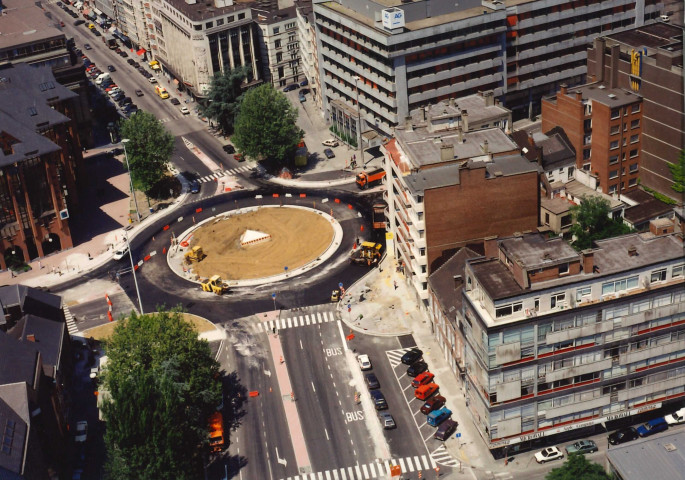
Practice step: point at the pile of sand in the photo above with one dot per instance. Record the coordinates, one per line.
(297, 237)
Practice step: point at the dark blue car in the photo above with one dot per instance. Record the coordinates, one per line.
(653, 426)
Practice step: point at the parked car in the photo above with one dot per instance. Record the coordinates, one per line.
(329, 153)
(434, 403)
(412, 356)
(175, 101)
(111, 68)
(386, 420)
(622, 436)
(184, 110)
(364, 362)
(229, 148)
(581, 446)
(422, 379)
(139, 93)
(302, 98)
(131, 62)
(304, 83)
(194, 186)
(123, 54)
(676, 417)
(80, 22)
(331, 142)
(651, 427)
(416, 369)
(291, 87)
(372, 381)
(126, 101)
(548, 454)
(446, 430)
(87, 46)
(81, 433)
(426, 391)
(379, 401)
(96, 33)
(120, 252)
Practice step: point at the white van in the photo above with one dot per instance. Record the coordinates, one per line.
(101, 78)
(78, 5)
(152, 80)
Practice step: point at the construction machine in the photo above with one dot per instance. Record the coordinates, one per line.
(195, 254)
(369, 179)
(214, 284)
(216, 432)
(369, 254)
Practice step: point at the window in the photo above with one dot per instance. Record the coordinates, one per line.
(586, 153)
(279, 56)
(230, 19)
(277, 30)
(506, 310)
(619, 285)
(634, 108)
(613, 174)
(613, 159)
(563, 269)
(277, 43)
(536, 304)
(613, 188)
(677, 271)
(557, 300)
(635, 124)
(633, 168)
(633, 153)
(583, 292)
(614, 145)
(632, 182)
(634, 138)
(566, 221)
(615, 129)
(615, 113)
(209, 24)
(546, 218)
(197, 27)
(241, 16)
(658, 275)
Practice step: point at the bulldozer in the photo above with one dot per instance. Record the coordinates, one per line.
(195, 254)
(214, 284)
(369, 254)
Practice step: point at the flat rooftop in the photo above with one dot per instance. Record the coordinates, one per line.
(641, 459)
(600, 92)
(576, 190)
(653, 37)
(475, 105)
(535, 251)
(23, 22)
(201, 11)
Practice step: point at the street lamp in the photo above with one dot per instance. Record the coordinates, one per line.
(133, 272)
(359, 122)
(124, 141)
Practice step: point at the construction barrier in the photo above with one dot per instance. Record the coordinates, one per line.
(254, 393)
(337, 200)
(184, 244)
(275, 195)
(146, 258)
(109, 316)
(303, 195)
(198, 210)
(166, 227)
(349, 205)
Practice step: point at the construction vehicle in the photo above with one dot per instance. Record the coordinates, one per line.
(216, 432)
(369, 254)
(369, 179)
(214, 284)
(195, 254)
(379, 215)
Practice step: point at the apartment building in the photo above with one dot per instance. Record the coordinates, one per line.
(648, 60)
(557, 340)
(604, 125)
(106, 8)
(280, 46)
(396, 56)
(39, 164)
(309, 57)
(194, 41)
(439, 170)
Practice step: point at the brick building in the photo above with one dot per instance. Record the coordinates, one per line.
(604, 126)
(39, 159)
(649, 61)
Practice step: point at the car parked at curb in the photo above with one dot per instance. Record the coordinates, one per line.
(331, 142)
(372, 381)
(291, 87)
(120, 252)
(175, 101)
(548, 454)
(81, 434)
(412, 356)
(446, 430)
(651, 427)
(676, 418)
(364, 362)
(622, 436)
(386, 420)
(416, 369)
(230, 149)
(582, 447)
(434, 403)
(379, 401)
(422, 379)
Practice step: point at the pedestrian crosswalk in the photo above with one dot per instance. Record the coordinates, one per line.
(377, 469)
(498, 475)
(294, 321)
(71, 324)
(395, 356)
(223, 173)
(442, 457)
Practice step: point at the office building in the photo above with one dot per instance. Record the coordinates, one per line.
(557, 341)
(309, 57)
(279, 42)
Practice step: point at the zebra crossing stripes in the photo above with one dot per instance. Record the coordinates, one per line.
(499, 475)
(378, 469)
(293, 322)
(442, 457)
(223, 173)
(395, 356)
(71, 324)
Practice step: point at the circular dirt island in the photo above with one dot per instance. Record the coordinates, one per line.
(277, 238)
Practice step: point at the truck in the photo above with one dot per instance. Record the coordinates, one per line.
(110, 41)
(216, 432)
(369, 179)
(369, 254)
(379, 215)
(214, 284)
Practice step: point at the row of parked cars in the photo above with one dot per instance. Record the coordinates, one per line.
(379, 401)
(111, 89)
(618, 437)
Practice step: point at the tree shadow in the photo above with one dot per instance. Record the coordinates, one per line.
(235, 397)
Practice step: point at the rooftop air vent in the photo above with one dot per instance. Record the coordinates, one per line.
(670, 447)
(612, 96)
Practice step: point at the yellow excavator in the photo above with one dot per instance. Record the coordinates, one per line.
(195, 254)
(214, 284)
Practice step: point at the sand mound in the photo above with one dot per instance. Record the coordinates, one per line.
(297, 237)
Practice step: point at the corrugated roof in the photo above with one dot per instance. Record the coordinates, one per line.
(661, 458)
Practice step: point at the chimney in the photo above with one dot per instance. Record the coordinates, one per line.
(31, 338)
(600, 44)
(460, 134)
(614, 66)
(579, 96)
(485, 146)
(458, 282)
(465, 120)
(425, 113)
(407, 124)
(563, 89)
(588, 260)
(489, 97)
(451, 102)
(491, 247)
(531, 140)
(632, 251)
(446, 152)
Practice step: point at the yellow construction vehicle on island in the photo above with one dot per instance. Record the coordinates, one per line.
(214, 284)
(195, 254)
(369, 254)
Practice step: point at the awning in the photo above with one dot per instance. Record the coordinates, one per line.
(141, 51)
(175, 81)
(85, 11)
(97, 12)
(188, 84)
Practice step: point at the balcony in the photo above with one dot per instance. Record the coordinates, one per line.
(578, 370)
(577, 332)
(645, 353)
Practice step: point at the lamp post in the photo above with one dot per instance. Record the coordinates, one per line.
(359, 122)
(133, 272)
(124, 141)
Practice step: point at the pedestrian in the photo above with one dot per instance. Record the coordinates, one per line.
(395, 283)
(89, 257)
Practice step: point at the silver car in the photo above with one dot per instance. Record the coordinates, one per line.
(386, 420)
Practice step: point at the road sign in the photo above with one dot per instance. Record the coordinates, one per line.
(286, 268)
(340, 285)
(458, 435)
(273, 295)
(349, 307)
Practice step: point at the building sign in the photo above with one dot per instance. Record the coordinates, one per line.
(575, 426)
(393, 18)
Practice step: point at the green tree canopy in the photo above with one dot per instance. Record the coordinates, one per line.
(577, 467)
(149, 148)
(265, 127)
(592, 221)
(224, 96)
(162, 384)
(678, 173)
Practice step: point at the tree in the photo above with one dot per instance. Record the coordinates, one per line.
(224, 96)
(149, 148)
(265, 127)
(162, 384)
(678, 173)
(577, 467)
(591, 221)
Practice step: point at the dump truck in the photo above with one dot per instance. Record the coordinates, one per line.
(379, 215)
(369, 179)
(369, 254)
(214, 284)
(216, 432)
(195, 254)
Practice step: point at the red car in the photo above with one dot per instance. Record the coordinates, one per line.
(239, 157)
(422, 379)
(114, 85)
(434, 403)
